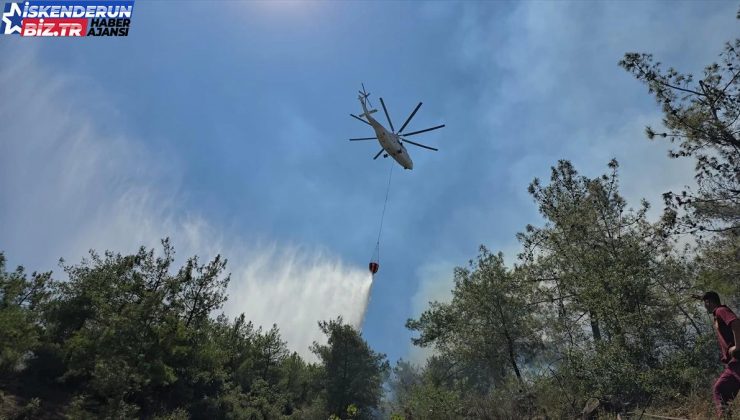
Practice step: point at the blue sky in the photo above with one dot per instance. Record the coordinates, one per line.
(224, 126)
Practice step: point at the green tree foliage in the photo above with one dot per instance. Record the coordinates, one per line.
(353, 372)
(133, 333)
(703, 118)
(487, 329)
(612, 290)
(129, 336)
(598, 307)
(718, 268)
(427, 393)
(21, 302)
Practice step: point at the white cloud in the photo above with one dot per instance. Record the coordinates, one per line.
(69, 185)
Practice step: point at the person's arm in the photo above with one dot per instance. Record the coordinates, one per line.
(735, 325)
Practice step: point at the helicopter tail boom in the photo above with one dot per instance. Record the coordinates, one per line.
(367, 113)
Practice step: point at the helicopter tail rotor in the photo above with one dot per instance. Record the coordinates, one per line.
(365, 95)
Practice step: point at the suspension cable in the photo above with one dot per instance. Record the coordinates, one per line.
(382, 216)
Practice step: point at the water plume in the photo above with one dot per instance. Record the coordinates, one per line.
(295, 289)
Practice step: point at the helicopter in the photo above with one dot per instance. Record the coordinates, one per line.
(390, 141)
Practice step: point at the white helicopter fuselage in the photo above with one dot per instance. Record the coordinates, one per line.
(389, 141)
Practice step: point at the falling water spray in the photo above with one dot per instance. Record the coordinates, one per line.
(295, 290)
(365, 304)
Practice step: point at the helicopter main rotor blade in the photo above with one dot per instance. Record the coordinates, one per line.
(420, 145)
(386, 115)
(364, 138)
(381, 151)
(355, 116)
(423, 131)
(410, 117)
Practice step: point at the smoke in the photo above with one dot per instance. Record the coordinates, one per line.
(70, 185)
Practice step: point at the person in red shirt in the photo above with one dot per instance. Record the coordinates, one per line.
(727, 327)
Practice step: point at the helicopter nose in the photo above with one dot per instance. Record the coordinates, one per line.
(410, 165)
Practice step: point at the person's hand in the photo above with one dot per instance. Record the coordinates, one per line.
(732, 350)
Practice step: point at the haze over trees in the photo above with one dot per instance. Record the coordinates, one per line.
(597, 310)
